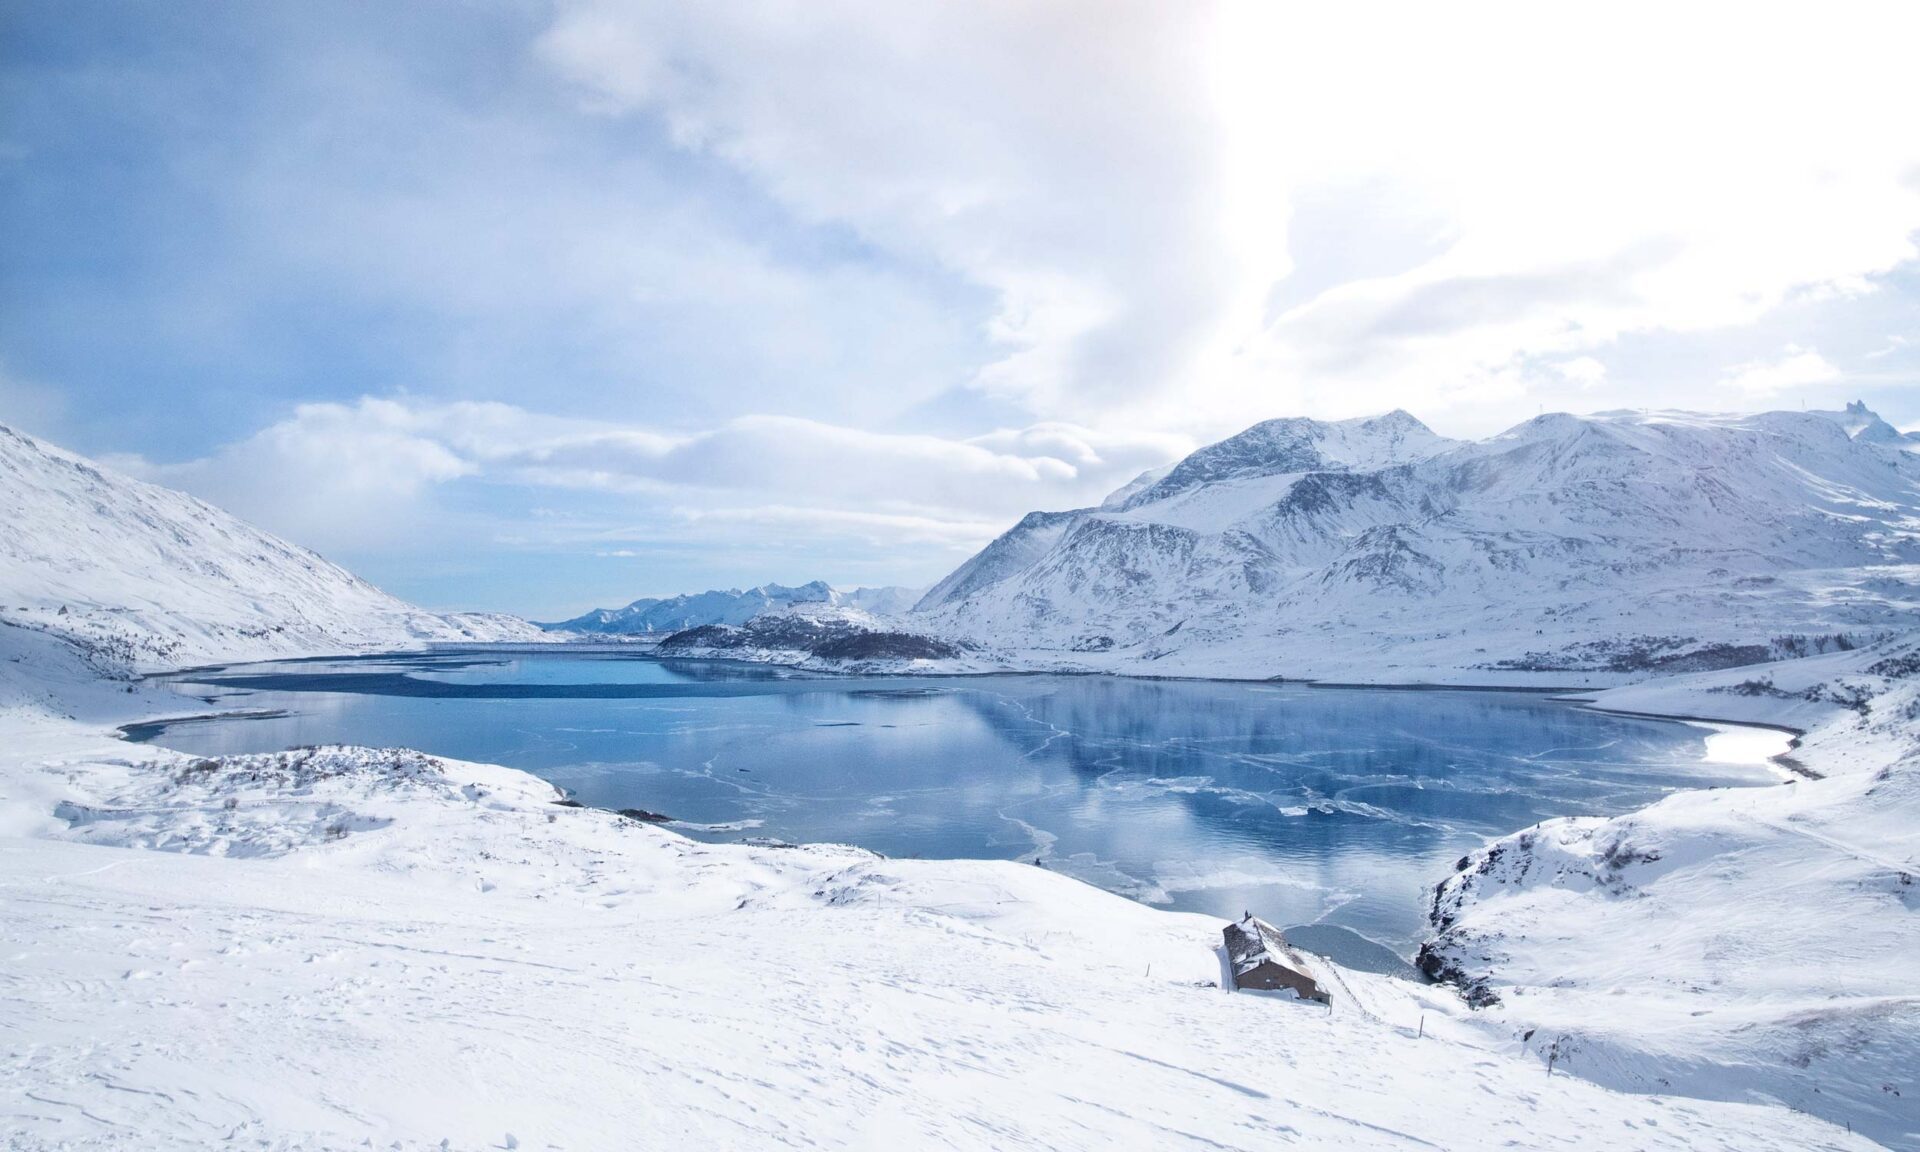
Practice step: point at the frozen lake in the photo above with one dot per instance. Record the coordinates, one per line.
(1330, 811)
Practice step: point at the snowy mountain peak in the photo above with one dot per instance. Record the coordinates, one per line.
(1297, 444)
(1863, 423)
(1119, 496)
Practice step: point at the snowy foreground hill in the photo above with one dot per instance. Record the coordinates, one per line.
(143, 576)
(346, 948)
(1726, 942)
(1578, 549)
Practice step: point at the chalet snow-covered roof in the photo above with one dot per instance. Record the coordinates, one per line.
(1253, 941)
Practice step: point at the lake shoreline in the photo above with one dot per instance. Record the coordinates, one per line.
(1314, 804)
(1465, 1039)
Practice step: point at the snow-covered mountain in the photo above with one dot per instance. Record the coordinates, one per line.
(1585, 546)
(1862, 423)
(143, 576)
(731, 606)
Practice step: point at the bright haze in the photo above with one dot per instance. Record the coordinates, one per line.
(534, 306)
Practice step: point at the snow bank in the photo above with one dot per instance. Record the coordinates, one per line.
(1740, 944)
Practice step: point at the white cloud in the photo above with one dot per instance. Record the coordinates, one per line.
(1895, 343)
(527, 250)
(877, 529)
(364, 475)
(1067, 157)
(1583, 372)
(331, 476)
(1796, 368)
(1124, 177)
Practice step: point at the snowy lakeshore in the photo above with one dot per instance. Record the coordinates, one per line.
(1726, 942)
(317, 950)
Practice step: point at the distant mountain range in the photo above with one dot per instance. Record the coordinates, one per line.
(142, 576)
(666, 615)
(1621, 542)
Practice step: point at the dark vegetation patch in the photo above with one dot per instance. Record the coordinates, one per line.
(885, 646)
(1899, 666)
(1641, 654)
(1674, 654)
(827, 639)
(705, 636)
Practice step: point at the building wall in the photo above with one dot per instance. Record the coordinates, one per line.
(1272, 977)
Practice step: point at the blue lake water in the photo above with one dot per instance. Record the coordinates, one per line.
(1331, 811)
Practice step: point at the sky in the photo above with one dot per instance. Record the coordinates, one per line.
(536, 307)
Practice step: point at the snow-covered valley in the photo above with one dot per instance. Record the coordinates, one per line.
(347, 946)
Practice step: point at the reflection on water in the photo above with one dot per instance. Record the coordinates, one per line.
(1332, 808)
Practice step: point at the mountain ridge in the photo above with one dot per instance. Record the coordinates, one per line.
(138, 576)
(1567, 543)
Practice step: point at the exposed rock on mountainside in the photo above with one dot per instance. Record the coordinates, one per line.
(1862, 423)
(142, 576)
(814, 634)
(1597, 546)
(1295, 445)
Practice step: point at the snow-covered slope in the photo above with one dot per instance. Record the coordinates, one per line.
(1748, 943)
(1591, 548)
(143, 576)
(347, 948)
(1293, 445)
(731, 607)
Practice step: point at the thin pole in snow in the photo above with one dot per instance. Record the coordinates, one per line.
(1423, 1027)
